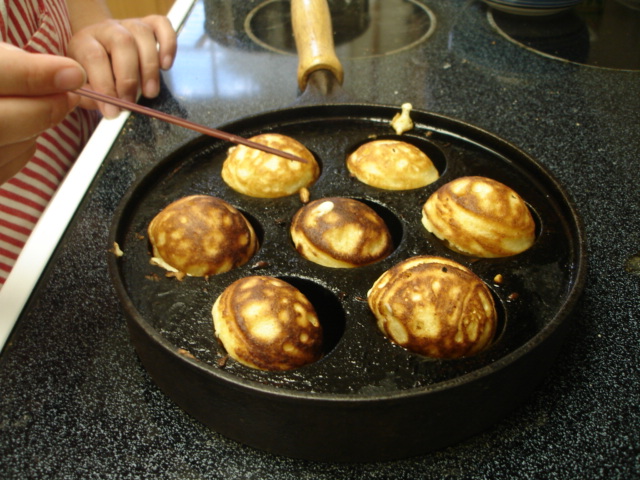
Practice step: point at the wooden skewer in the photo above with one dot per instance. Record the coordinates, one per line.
(134, 107)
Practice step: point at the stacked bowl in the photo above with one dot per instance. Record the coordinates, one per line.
(532, 7)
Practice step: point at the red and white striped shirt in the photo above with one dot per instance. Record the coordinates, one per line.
(38, 26)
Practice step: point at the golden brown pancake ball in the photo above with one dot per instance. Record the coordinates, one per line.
(481, 217)
(266, 323)
(392, 165)
(340, 233)
(434, 307)
(265, 175)
(201, 235)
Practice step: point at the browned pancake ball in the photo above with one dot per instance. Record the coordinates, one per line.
(340, 233)
(200, 235)
(392, 165)
(435, 307)
(267, 324)
(481, 217)
(265, 175)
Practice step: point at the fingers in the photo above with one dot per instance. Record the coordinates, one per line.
(33, 90)
(33, 97)
(167, 40)
(31, 74)
(148, 58)
(91, 48)
(22, 118)
(157, 45)
(124, 57)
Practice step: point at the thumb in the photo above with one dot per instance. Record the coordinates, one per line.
(35, 74)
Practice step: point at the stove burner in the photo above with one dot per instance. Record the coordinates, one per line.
(362, 28)
(604, 37)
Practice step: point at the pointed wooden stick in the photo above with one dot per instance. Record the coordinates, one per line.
(134, 107)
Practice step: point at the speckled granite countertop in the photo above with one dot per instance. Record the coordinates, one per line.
(75, 401)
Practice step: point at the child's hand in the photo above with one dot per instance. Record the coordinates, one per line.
(122, 57)
(33, 98)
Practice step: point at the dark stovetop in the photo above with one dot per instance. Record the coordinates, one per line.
(75, 401)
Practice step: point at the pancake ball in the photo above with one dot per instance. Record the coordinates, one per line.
(264, 175)
(481, 217)
(340, 233)
(434, 307)
(267, 324)
(392, 165)
(200, 235)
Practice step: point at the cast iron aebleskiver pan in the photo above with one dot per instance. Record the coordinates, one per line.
(367, 399)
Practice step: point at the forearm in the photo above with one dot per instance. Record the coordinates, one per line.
(83, 13)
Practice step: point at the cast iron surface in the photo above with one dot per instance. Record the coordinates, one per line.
(539, 289)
